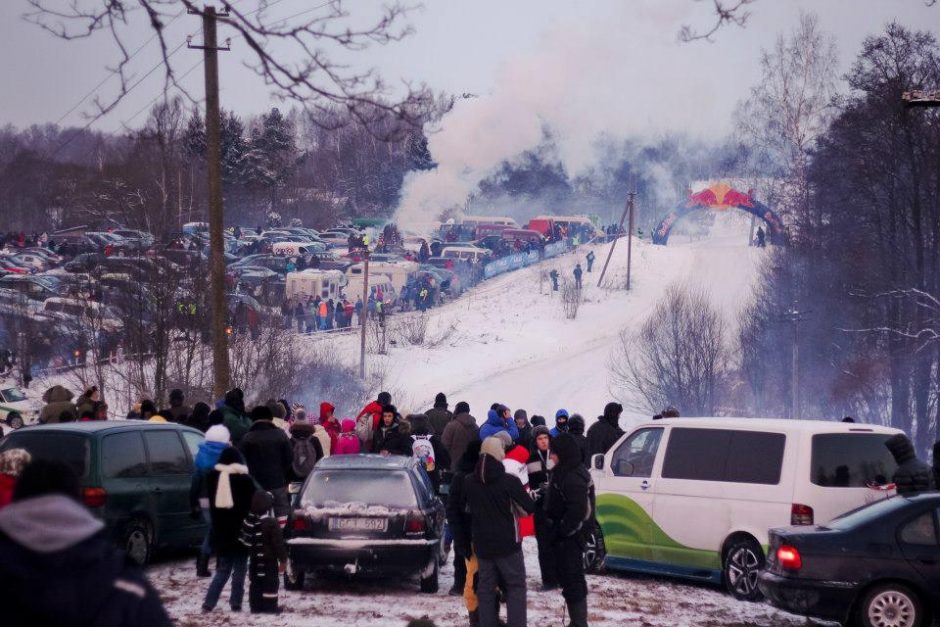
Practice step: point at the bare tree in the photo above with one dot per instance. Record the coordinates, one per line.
(291, 54)
(726, 13)
(677, 358)
(570, 299)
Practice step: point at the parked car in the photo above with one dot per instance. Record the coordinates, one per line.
(36, 287)
(16, 410)
(741, 477)
(366, 514)
(32, 261)
(141, 240)
(85, 262)
(878, 566)
(135, 477)
(8, 266)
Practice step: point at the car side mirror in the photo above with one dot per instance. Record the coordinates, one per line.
(597, 462)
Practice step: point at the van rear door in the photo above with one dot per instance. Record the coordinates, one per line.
(625, 498)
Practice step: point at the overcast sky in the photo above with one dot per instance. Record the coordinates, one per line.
(598, 58)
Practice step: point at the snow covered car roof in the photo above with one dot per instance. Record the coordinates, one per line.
(365, 461)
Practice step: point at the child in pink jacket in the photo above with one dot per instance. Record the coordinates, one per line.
(348, 442)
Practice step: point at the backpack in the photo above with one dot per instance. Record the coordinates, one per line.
(422, 448)
(364, 428)
(305, 457)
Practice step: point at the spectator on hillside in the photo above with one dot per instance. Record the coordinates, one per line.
(58, 400)
(439, 415)
(525, 429)
(179, 410)
(459, 432)
(606, 431)
(499, 419)
(268, 455)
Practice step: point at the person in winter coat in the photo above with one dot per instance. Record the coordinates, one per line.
(179, 410)
(59, 565)
(569, 504)
(234, 417)
(207, 456)
(576, 430)
(329, 422)
(459, 522)
(516, 463)
(439, 415)
(199, 417)
(386, 437)
(493, 498)
(278, 414)
(604, 433)
(437, 458)
(459, 432)
(912, 476)
(561, 423)
(525, 429)
(269, 458)
(306, 447)
(536, 421)
(540, 466)
(230, 492)
(348, 442)
(499, 419)
(86, 402)
(267, 554)
(367, 421)
(12, 463)
(58, 400)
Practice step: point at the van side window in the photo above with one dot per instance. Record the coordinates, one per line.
(167, 456)
(123, 457)
(724, 455)
(635, 457)
(851, 460)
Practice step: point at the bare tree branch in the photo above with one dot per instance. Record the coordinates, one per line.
(725, 14)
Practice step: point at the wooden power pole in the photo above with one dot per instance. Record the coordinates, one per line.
(218, 304)
(364, 313)
(627, 208)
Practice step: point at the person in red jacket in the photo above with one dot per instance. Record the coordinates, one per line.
(330, 423)
(369, 418)
(12, 463)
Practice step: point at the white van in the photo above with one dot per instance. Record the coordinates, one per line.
(16, 409)
(695, 497)
(312, 282)
(397, 271)
(501, 220)
(353, 289)
(463, 253)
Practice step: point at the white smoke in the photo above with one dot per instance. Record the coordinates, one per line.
(620, 74)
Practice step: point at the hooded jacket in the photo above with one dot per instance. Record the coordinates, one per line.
(912, 475)
(491, 496)
(58, 399)
(348, 441)
(207, 457)
(227, 522)
(576, 430)
(373, 409)
(233, 416)
(495, 423)
(268, 454)
(59, 568)
(604, 433)
(458, 512)
(440, 417)
(570, 499)
(332, 427)
(457, 435)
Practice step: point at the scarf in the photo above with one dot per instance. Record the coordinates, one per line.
(223, 492)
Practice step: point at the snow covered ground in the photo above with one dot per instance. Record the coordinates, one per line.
(615, 599)
(513, 344)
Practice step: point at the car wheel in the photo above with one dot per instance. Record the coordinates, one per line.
(294, 579)
(890, 605)
(743, 563)
(429, 583)
(138, 542)
(595, 549)
(14, 420)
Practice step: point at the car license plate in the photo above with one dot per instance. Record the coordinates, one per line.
(358, 524)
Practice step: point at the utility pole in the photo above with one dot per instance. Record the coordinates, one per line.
(794, 316)
(628, 207)
(218, 305)
(629, 239)
(364, 313)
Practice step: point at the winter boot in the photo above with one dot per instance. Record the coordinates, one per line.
(202, 566)
(475, 618)
(578, 612)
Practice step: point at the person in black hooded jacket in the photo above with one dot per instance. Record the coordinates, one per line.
(60, 567)
(459, 521)
(604, 433)
(568, 505)
(576, 429)
(269, 457)
(913, 475)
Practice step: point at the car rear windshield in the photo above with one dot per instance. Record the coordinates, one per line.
(372, 487)
(851, 460)
(867, 513)
(69, 448)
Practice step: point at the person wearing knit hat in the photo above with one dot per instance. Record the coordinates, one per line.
(207, 456)
(459, 432)
(230, 490)
(439, 415)
(12, 463)
(493, 497)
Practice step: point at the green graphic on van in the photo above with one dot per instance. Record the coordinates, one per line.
(631, 533)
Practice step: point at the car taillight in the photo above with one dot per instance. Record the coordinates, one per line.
(414, 524)
(789, 558)
(299, 524)
(94, 497)
(801, 514)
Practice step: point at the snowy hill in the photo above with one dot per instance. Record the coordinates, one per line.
(513, 344)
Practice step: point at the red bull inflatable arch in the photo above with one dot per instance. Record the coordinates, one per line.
(720, 197)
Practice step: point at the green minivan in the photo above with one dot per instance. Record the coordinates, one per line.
(135, 477)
